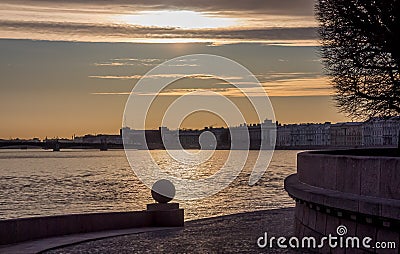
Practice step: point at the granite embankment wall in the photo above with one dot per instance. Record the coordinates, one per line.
(25, 229)
(359, 189)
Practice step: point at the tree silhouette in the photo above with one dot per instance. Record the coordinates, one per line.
(361, 54)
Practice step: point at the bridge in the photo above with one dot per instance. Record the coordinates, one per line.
(57, 145)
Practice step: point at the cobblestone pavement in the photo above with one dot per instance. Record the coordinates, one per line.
(227, 234)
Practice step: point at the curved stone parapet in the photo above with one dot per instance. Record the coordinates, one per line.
(359, 189)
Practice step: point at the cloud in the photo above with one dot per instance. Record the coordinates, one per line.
(117, 32)
(167, 76)
(281, 22)
(300, 84)
(306, 86)
(281, 7)
(285, 76)
(276, 83)
(113, 64)
(112, 93)
(133, 62)
(117, 77)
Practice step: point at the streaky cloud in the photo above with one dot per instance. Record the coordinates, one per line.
(281, 7)
(70, 31)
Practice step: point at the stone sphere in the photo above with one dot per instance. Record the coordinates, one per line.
(163, 191)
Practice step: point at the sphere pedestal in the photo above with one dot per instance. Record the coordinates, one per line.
(165, 214)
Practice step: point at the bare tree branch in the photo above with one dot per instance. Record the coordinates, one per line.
(361, 53)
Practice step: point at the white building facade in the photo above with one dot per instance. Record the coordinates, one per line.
(381, 132)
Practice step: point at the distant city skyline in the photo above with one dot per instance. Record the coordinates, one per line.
(375, 132)
(205, 127)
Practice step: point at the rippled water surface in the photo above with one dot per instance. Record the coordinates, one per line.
(38, 183)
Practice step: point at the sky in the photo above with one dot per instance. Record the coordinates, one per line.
(68, 67)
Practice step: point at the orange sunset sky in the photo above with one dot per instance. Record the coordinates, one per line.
(68, 67)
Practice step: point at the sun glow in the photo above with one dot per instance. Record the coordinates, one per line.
(177, 19)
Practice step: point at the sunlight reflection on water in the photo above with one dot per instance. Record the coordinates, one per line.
(39, 183)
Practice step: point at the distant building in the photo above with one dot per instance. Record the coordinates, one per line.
(154, 139)
(347, 134)
(246, 136)
(189, 139)
(380, 132)
(284, 137)
(302, 135)
(269, 133)
(221, 135)
(142, 139)
(96, 139)
(132, 137)
(377, 132)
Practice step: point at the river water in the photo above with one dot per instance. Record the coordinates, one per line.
(40, 183)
